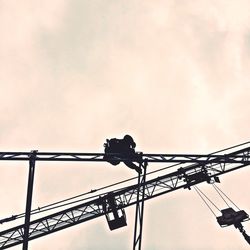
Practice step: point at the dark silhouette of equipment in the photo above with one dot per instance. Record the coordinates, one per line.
(188, 171)
(115, 216)
(117, 150)
(196, 176)
(231, 217)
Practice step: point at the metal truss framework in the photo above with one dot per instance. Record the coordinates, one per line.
(214, 165)
(98, 157)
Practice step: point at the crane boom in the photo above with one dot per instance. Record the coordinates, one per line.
(184, 177)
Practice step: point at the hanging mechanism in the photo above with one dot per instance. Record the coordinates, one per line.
(229, 216)
(195, 176)
(115, 216)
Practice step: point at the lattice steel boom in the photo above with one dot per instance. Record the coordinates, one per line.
(184, 177)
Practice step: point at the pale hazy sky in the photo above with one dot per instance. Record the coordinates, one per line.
(174, 74)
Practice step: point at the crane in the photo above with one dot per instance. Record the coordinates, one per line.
(187, 171)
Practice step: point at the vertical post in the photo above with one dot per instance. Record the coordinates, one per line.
(139, 209)
(32, 160)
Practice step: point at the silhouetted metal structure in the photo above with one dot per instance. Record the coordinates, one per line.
(139, 211)
(201, 168)
(32, 160)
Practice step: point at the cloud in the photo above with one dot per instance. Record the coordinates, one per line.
(175, 75)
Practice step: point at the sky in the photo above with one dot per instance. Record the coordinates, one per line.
(173, 74)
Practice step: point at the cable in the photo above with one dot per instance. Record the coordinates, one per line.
(208, 199)
(47, 207)
(221, 195)
(219, 190)
(244, 143)
(51, 206)
(204, 201)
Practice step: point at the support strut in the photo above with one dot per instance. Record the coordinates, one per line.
(139, 208)
(32, 160)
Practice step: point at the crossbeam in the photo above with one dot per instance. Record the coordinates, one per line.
(150, 158)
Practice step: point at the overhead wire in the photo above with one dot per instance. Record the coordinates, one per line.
(56, 205)
(52, 205)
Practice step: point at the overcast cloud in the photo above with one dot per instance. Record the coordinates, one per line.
(174, 74)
